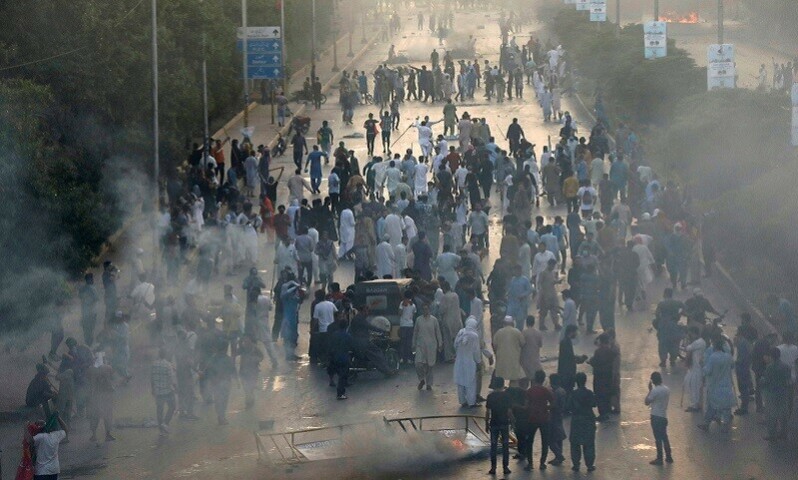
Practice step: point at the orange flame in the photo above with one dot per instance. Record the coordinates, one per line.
(673, 17)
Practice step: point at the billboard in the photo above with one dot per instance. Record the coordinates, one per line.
(598, 11)
(721, 68)
(655, 39)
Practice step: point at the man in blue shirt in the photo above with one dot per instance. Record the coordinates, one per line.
(314, 160)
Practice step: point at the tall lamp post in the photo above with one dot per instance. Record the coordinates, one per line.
(313, 42)
(155, 139)
(335, 47)
(245, 67)
(363, 27)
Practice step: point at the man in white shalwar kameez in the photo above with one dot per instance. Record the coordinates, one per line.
(386, 258)
(468, 357)
(694, 378)
(645, 270)
(464, 132)
(400, 256)
(420, 179)
(411, 231)
(425, 135)
(285, 256)
(394, 228)
(446, 264)
(314, 235)
(346, 232)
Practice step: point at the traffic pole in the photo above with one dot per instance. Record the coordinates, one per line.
(282, 46)
(245, 66)
(720, 22)
(155, 140)
(335, 51)
(656, 10)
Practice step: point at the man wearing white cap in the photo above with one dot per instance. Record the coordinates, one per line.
(696, 308)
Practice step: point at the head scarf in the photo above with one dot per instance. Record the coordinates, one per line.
(467, 334)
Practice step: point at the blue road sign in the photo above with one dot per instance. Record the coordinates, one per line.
(264, 58)
(268, 59)
(261, 45)
(266, 72)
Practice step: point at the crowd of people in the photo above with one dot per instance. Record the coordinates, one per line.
(425, 216)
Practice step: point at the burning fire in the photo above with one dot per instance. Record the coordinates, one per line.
(673, 17)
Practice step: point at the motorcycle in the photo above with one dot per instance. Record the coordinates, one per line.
(380, 344)
(299, 124)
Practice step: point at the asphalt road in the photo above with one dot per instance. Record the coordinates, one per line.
(297, 396)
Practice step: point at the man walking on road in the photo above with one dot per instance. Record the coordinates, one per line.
(300, 148)
(163, 382)
(583, 425)
(314, 161)
(666, 322)
(776, 391)
(539, 401)
(498, 416)
(657, 399)
(371, 126)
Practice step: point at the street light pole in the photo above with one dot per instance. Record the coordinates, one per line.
(350, 54)
(155, 140)
(285, 53)
(245, 57)
(313, 27)
(205, 100)
(335, 50)
(363, 25)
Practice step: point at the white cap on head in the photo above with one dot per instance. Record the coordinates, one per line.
(509, 320)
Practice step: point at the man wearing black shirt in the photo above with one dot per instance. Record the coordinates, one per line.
(498, 414)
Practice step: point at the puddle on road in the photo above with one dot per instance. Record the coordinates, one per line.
(277, 383)
(628, 423)
(642, 446)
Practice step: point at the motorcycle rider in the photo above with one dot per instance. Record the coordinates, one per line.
(697, 307)
(360, 329)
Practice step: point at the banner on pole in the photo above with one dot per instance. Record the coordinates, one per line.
(721, 69)
(598, 11)
(655, 39)
(583, 5)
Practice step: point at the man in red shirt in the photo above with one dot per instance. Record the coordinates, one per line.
(281, 223)
(452, 159)
(539, 401)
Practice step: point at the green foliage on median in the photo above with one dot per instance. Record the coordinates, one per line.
(639, 91)
(728, 148)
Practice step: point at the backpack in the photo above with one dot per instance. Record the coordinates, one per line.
(587, 197)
